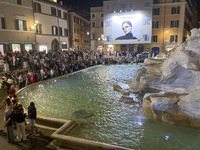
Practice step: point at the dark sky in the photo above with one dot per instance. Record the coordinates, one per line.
(83, 4)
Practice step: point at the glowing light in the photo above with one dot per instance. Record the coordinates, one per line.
(22, 97)
(32, 27)
(36, 22)
(139, 123)
(167, 138)
(167, 31)
(54, 80)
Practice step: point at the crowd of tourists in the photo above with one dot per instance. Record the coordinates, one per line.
(42, 65)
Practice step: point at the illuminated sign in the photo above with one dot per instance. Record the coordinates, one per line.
(128, 27)
(28, 47)
(16, 47)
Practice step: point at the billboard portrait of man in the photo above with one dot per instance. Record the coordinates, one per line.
(127, 29)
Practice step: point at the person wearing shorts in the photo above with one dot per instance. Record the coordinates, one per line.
(32, 113)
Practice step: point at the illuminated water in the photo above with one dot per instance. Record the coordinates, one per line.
(103, 118)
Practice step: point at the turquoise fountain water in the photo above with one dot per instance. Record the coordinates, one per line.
(88, 98)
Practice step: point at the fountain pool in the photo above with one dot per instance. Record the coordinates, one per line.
(88, 98)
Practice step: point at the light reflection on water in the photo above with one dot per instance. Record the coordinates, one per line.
(111, 121)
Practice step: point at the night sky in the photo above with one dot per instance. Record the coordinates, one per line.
(83, 4)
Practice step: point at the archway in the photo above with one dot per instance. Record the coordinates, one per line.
(140, 48)
(155, 50)
(55, 45)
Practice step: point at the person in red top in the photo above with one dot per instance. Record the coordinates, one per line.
(12, 91)
(32, 78)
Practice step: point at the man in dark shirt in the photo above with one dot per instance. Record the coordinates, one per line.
(127, 28)
(10, 115)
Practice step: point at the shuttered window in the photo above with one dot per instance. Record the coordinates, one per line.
(37, 7)
(21, 25)
(54, 30)
(2, 23)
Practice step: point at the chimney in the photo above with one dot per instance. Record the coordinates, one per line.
(61, 3)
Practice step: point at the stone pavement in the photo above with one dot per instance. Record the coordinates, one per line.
(39, 141)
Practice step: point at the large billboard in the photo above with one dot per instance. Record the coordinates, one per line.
(128, 27)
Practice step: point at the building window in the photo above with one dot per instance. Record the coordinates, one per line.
(65, 15)
(53, 11)
(156, 11)
(65, 32)
(131, 5)
(174, 24)
(154, 38)
(155, 24)
(108, 38)
(59, 13)
(145, 37)
(102, 15)
(123, 6)
(2, 23)
(147, 4)
(64, 46)
(37, 7)
(146, 20)
(93, 24)
(93, 36)
(19, 2)
(108, 7)
(74, 30)
(156, 1)
(175, 10)
(39, 28)
(93, 15)
(173, 38)
(21, 24)
(60, 31)
(101, 24)
(54, 30)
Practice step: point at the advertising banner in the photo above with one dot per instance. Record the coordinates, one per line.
(128, 27)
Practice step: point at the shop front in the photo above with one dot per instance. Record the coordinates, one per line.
(28, 47)
(100, 49)
(43, 48)
(16, 47)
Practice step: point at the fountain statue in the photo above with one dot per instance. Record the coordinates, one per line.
(177, 76)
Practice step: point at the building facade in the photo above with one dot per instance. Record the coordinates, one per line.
(154, 25)
(16, 19)
(97, 36)
(51, 25)
(79, 30)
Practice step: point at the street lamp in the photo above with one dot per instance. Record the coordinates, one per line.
(33, 26)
